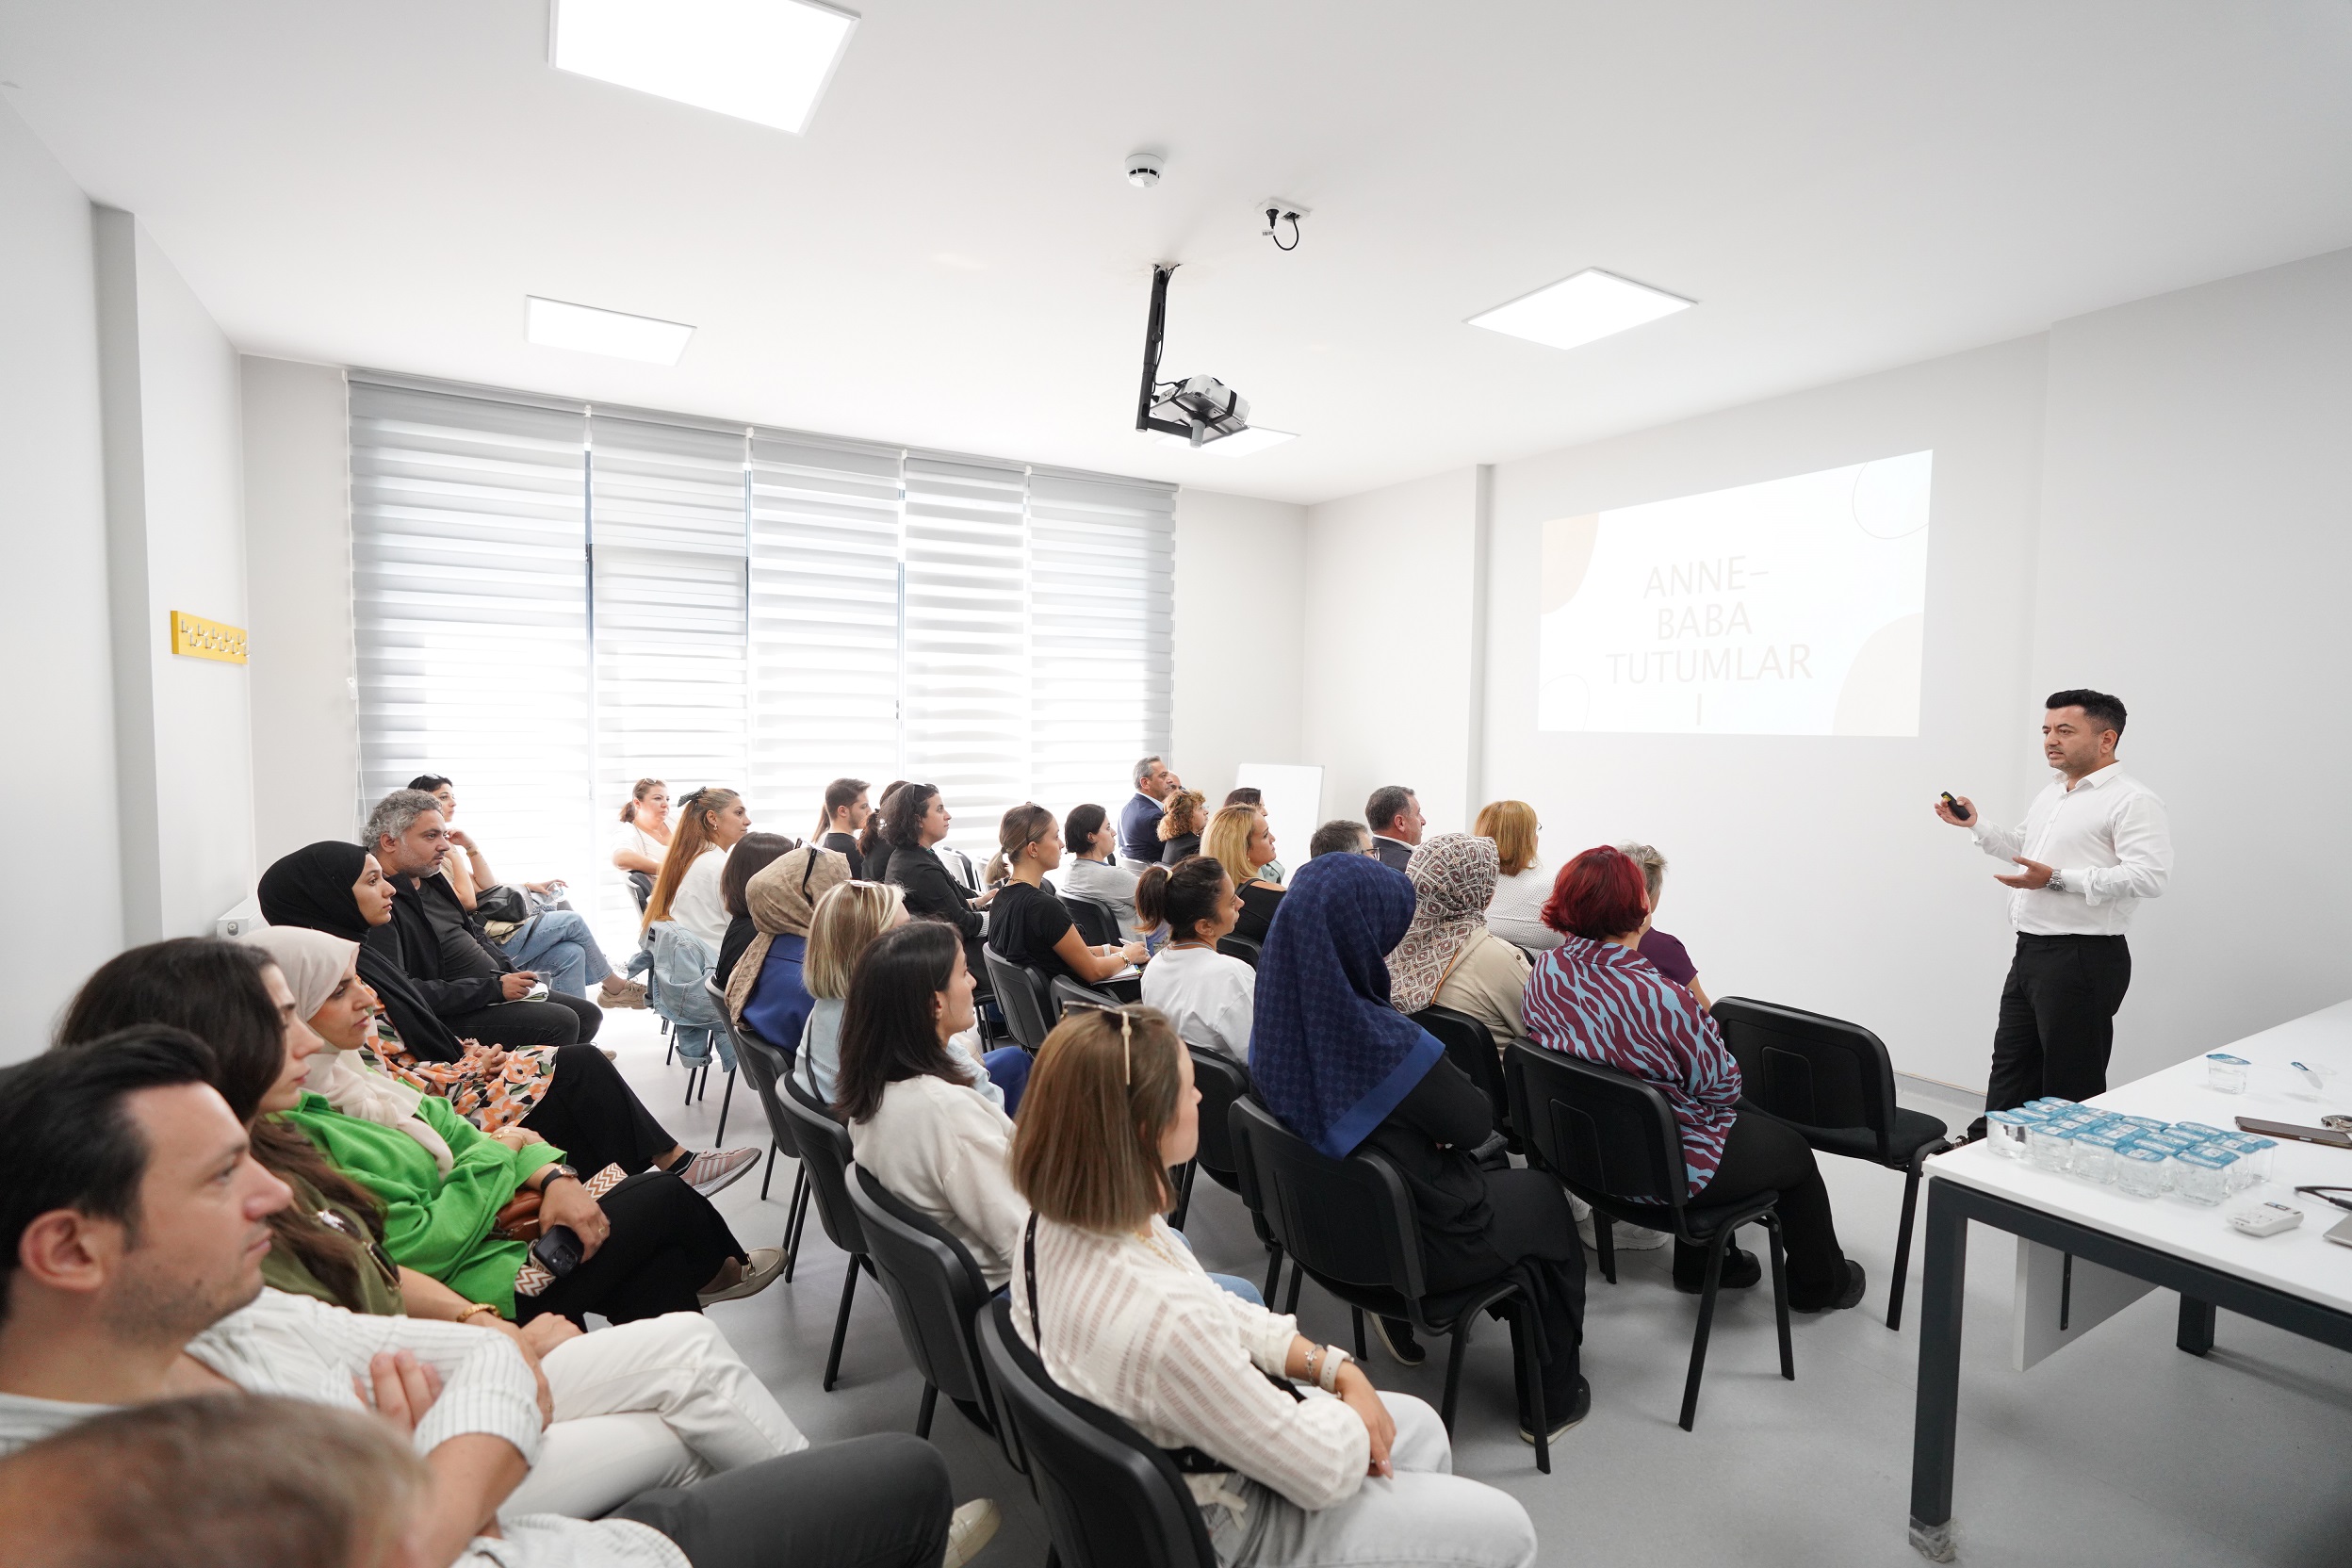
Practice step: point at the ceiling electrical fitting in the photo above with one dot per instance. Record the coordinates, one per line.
(763, 60)
(554, 324)
(1577, 310)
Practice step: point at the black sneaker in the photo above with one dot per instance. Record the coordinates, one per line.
(1740, 1270)
(1578, 1411)
(1396, 1339)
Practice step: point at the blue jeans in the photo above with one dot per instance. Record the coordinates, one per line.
(1231, 1285)
(559, 945)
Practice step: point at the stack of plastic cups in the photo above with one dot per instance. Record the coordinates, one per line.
(2140, 1170)
(2201, 1175)
(2094, 1151)
(2253, 1152)
(2046, 1145)
(2005, 1131)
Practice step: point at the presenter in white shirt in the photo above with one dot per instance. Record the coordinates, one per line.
(2093, 844)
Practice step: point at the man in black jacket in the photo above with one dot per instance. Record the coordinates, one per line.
(443, 949)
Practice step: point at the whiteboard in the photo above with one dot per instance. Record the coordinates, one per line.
(1294, 805)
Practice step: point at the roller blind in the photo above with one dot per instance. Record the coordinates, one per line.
(825, 622)
(470, 615)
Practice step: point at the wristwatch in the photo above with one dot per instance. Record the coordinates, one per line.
(550, 1172)
(2057, 883)
(1327, 1378)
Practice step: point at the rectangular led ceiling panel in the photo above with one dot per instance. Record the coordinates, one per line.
(554, 324)
(1578, 310)
(762, 61)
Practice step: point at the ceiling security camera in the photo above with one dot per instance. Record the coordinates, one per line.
(1143, 170)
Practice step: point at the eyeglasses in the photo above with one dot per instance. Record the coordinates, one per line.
(1126, 1017)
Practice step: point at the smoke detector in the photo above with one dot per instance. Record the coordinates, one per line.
(1143, 170)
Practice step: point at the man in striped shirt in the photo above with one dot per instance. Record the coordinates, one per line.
(1596, 998)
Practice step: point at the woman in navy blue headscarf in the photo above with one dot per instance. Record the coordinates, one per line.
(1341, 1067)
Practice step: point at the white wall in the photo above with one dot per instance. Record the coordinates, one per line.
(2197, 543)
(1393, 599)
(175, 541)
(55, 635)
(298, 574)
(1240, 572)
(1808, 869)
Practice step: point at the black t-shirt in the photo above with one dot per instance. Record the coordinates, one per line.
(462, 957)
(847, 844)
(1257, 904)
(1024, 923)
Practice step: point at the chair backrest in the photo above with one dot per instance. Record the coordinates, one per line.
(1805, 1068)
(640, 888)
(1605, 1133)
(1112, 1500)
(825, 1154)
(935, 1290)
(1097, 922)
(1234, 945)
(1348, 1222)
(1022, 992)
(1064, 990)
(1221, 1080)
(765, 1068)
(1470, 1046)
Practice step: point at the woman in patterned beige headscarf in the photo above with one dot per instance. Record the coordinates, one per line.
(1449, 958)
(765, 994)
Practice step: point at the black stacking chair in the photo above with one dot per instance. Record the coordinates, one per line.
(1111, 1499)
(1470, 1046)
(1020, 992)
(1062, 990)
(1097, 922)
(1835, 1082)
(764, 1067)
(718, 1000)
(825, 1156)
(1350, 1224)
(1234, 945)
(1612, 1140)
(1221, 1080)
(937, 1291)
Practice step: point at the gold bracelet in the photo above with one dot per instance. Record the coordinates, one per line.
(479, 1306)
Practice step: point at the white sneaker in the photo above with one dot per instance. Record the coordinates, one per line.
(715, 1170)
(1625, 1238)
(972, 1528)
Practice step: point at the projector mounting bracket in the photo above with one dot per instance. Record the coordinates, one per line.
(1153, 329)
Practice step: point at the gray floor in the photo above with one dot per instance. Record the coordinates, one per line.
(2119, 1449)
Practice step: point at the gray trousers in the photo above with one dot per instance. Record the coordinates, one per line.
(871, 1502)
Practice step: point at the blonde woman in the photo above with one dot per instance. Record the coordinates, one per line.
(1181, 824)
(1671, 957)
(710, 820)
(1122, 1315)
(1522, 881)
(847, 919)
(1240, 840)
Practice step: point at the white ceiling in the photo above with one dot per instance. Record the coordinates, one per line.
(950, 257)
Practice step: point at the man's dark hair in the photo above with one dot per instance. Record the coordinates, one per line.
(887, 1032)
(1388, 803)
(428, 781)
(66, 1140)
(2101, 710)
(1338, 837)
(1249, 795)
(838, 795)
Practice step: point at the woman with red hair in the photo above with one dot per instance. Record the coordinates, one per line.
(1595, 997)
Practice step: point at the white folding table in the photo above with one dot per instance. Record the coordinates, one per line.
(2298, 1281)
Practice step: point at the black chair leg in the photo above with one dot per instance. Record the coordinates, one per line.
(1274, 1273)
(795, 1222)
(1706, 1323)
(1531, 1384)
(930, 1401)
(1453, 1371)
(719, 1140)
(1605, 1243)
(1183, 1196)
(1780, 1295)
(1358, 1314)
(769, 1175)
(1902, 1239)
(1297, 1277)
(841, 1325)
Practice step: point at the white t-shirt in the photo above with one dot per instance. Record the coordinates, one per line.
(1208, 996)
(638, 841)
(696, 906)
(945, 1151)
(1516, 913)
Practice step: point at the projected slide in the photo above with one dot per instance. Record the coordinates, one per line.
(1793, 607)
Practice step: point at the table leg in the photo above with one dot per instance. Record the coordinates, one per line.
(1936, 1429)
(2197, 1326)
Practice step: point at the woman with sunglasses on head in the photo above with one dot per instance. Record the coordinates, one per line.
(1122, 1315)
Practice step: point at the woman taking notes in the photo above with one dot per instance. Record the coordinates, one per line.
(1122, 1315)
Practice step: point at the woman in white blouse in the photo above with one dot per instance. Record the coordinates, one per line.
(1122, 1315)
(645, 835)
(1206, 994)
(1523, 882)
(914, 1117)
(710, 820)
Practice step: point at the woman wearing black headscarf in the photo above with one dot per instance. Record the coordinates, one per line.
(568, 1094)
(1341, 1067)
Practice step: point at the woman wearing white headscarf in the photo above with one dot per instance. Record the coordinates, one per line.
(1449, 958)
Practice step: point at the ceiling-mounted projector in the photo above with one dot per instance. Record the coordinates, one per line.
(1201, 409)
